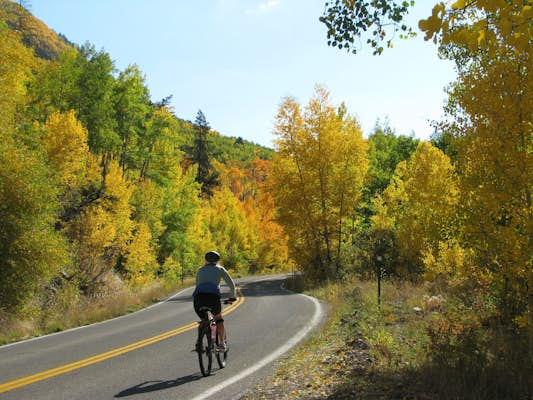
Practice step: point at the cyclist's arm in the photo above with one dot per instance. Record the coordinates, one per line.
(229, 281)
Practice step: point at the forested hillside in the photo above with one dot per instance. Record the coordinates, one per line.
(103, 189)
(34, 33)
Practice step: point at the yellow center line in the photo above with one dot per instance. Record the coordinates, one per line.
(40, 376)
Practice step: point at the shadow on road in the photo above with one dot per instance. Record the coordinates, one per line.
(271, 287)
(265, 288)
(153, 386)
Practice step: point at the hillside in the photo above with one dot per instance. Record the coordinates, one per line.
(126, 196)
(48, 45)
(225, 148)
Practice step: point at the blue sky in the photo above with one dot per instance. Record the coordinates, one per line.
(237, 59)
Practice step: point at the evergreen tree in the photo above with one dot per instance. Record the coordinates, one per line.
(201, 156)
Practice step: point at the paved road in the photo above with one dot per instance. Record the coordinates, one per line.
(148, 354)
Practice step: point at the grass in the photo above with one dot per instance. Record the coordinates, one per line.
(84, 311)
(415, 346)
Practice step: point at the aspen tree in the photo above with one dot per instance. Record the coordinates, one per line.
(317, 178)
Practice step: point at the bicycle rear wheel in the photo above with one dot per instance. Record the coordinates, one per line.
(221, 356)
(205, 352)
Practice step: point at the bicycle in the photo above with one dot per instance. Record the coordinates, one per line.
(208, 342)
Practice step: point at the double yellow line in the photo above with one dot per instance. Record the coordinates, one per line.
(40, 376)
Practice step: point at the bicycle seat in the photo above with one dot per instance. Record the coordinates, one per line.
(206, 308)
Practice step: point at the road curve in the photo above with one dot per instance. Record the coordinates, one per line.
(148, 354)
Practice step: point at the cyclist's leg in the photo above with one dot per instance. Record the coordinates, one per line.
(221, 331)
(213, 301)
(220, 326)
(198, 302)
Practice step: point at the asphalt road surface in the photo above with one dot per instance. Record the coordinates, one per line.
(149, 354)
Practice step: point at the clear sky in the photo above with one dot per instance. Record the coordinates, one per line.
(237, 59)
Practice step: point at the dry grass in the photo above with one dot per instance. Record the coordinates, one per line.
(83, 311)
(419, 344)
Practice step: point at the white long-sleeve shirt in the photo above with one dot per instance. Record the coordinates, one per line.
(208, 279)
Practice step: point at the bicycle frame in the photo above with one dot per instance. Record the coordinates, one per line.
(207, 343)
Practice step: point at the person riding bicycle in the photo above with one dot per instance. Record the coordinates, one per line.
(207, 292)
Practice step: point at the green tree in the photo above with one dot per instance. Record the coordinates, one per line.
(180, 206)
(201, 154)
(348, 20)
(147, 201)
(158, 146)
(131, 104)
(55, 87)
(81, 81)
(95, 99)
(386, 150)
(31, 251)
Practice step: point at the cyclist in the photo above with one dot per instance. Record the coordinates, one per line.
(207, 292)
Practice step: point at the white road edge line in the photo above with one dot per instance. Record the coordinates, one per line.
(319, 312)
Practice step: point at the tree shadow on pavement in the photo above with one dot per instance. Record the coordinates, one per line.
(273, 287)
(265, 288)
(153, 386)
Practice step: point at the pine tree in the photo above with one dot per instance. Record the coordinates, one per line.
(201, 156)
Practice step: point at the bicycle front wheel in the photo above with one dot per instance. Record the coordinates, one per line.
(221, 356)
(205, 353)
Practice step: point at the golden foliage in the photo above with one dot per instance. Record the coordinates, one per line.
(231, 231)
(16, 64)
(102, 229)
(317, 177)
(483, 24)
(65, 142)
(141, 264)
(421, 203)
(147, 200)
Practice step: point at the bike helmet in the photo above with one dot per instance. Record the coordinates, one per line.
(212, 256)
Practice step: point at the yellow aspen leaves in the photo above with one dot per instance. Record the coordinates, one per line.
(462, 24)
(140, 261)
(481, 36)
(65, 142)
(421, 203)
(316, 179)
(459, 4)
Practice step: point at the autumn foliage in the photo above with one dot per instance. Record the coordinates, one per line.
(318, 175)
(99, 188)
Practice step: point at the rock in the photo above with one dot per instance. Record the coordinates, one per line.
(434, 303)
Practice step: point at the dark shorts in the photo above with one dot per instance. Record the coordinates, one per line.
(209, 300)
